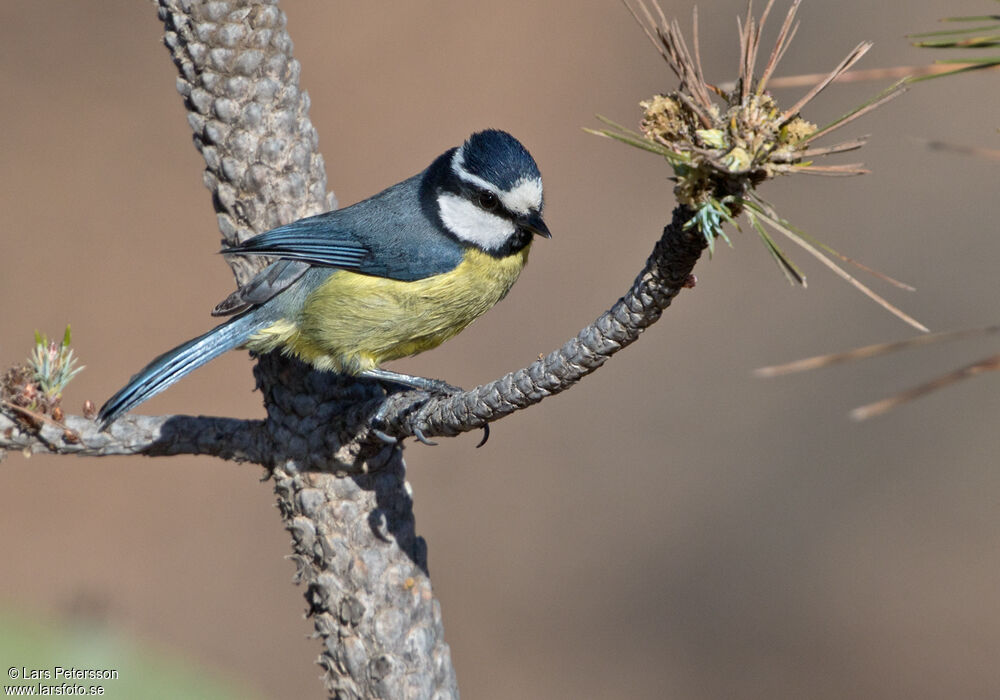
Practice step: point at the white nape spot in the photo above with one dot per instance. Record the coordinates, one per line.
(473, 225)
(525, 197)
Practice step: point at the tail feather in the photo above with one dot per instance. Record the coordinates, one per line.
(175, 364)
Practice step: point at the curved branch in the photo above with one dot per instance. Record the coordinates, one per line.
(667, 271)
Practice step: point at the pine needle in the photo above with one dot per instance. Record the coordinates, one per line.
(782, 226)
(879, 407)
(876, 350)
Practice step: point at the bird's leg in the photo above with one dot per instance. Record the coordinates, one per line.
(431, 386)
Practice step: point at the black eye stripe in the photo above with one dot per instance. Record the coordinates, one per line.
(452, 184)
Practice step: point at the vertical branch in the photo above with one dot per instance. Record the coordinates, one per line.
(250, 118)
(350, 515)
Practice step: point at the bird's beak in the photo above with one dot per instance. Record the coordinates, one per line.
(534, 224)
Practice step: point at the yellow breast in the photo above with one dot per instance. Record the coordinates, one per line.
(353, 322)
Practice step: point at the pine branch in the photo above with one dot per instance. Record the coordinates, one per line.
(667, 271)
(152, 436)
(354, 538)
(341, 488)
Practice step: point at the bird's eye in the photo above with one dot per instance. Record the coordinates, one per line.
(488, 201)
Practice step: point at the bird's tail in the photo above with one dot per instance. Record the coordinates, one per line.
(175, 364)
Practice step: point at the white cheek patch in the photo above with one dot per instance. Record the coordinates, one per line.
(471, 224)
(526, 197)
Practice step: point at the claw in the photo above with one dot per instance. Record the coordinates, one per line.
(384, 437)
(419, 434)
(486, 435)
(379, 419)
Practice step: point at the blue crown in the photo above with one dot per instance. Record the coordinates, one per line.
(498, 157)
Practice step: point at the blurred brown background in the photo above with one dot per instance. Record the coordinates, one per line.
(672, 527)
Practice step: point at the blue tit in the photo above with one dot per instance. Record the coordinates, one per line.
(388, 277)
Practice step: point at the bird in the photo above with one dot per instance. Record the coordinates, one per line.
(389, 277)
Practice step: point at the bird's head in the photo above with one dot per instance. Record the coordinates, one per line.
(489, 193)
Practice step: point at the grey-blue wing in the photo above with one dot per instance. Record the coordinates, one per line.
(310, 240)
(268, 283)
(389, 235)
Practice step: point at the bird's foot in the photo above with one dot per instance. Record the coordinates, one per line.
(429, 388)
(379, 419)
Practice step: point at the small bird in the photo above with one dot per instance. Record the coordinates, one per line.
(389, 277)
